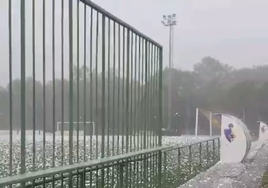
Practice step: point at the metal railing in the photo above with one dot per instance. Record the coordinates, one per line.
(81, 85)
(181, 164)
(157, 167)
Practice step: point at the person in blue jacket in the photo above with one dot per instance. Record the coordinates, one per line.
(229, 133)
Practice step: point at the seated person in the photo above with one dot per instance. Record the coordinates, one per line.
(229, 135)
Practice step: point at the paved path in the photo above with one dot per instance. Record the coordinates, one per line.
(246, 175)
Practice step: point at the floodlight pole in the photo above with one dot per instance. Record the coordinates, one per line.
(170, 21)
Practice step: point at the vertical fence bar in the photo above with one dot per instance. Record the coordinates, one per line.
(103, 123)
(133, 91)
(151, 95)
(77, 124)
(108, 86)
(127, 89)
(136, 132)
(70, 182)
(155, 94)
(62, 83)
(53, 89)
(91, 85)
(148, 101)
(121, 175)
(139, 94)
(213, 142)
(62, 87)
(108, 98)
(160, 118)
(10, 88)
(143, 95)
(96, 86)
(118, 91)
(157, 115)
(34, 88)
(53, 84)
(146, 96)
(207, 144)
(190, 160)
(179, 161)
(160, 97)
(123, 89)
(85, 82)
(219, 145)
(200, 154)
(82, 179)
(131, 126)
(23, 94)
(114, 106)
(44, 85)
(165, 169)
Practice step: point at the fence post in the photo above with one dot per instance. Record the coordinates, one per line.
(145, 161)
(179, 157)
(190, 159)
(82, 179)
(121, 175)
(219, 145)
(200, 154)
(207, 153)
(213, 151)
(165, 169)
(159, 169)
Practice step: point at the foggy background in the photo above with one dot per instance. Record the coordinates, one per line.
(233, 31)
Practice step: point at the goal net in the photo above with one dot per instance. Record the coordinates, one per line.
(87, 128)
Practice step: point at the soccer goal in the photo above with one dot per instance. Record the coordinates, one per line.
(87, 127)
(205, 117)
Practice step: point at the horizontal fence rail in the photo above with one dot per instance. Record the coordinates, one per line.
(81, 85)
(157, 167)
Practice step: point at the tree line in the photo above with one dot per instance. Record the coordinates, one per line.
(218, 87)
(211, 85)
(91, 96)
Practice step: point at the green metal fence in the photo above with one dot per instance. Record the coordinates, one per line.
(82, 85)
(81, 105)
(157, 167)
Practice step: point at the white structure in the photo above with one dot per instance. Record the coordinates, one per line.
(263, 131)
(235, 150)
(197, 121)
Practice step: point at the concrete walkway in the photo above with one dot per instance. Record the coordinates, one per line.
(246, 175)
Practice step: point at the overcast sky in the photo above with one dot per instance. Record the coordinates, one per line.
(233, 31)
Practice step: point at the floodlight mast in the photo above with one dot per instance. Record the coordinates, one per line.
(170, 21)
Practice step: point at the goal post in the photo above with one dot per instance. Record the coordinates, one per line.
(87, 127)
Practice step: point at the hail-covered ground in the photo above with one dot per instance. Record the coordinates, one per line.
(55, 151)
